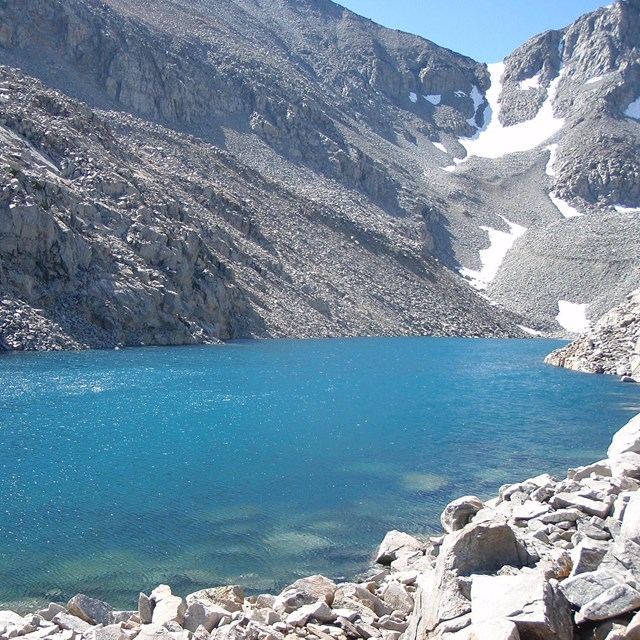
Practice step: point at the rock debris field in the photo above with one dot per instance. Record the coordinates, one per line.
(545, 559)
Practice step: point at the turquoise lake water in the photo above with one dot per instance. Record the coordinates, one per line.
(258, 462)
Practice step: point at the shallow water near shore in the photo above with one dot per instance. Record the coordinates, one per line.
(259, 462)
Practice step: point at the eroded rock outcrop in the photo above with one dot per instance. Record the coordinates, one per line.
(612, 346)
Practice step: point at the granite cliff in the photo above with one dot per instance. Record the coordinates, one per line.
(179, 172)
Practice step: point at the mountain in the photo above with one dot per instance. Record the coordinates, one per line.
(185, 171)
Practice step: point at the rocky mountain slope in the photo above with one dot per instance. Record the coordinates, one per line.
(612, 346)
(177, 172)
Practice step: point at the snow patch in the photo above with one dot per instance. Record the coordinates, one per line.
(592, 80)
(413, 97)
(450, 169)
(552, 149)
(564, 207)
(633, 110)
(494, 140)
(433, 99)
(439, 146)
(531, 332)
(492, 258)
(531, 83)
(460, 94)
(572, 317)
(622, 209)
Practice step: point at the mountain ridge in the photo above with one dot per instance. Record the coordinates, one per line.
(345, 127)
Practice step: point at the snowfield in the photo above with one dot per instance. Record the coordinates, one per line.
(495, 140)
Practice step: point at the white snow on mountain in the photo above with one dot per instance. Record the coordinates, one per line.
(495, 140)
(572, 316)
(633, 110)
(492, 258)
(564, 207)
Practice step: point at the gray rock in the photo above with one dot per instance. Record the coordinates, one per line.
(397, 544)
(482, 547)
(626, 439)
(618, 599)
(204, 613)
(396, 597)
(69, 621)
(51, 610)
(587, 505)
(168, 608)
(457, 514)
(229, 597)
(354, 596)
(90, 610)
(585, 587)
(496, 629)
(319, 611)
(528, 600)
(109, 632)
(145, 608)
(587, 556)
(314, 587)
(631, 521)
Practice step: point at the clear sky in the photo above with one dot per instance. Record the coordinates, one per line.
(486, 30)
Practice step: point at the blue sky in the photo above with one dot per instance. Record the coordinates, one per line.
(486, 30)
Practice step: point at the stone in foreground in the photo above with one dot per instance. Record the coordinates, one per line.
(528, 600)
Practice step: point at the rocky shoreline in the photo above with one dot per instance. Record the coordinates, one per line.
(545, 559)
(611, 346)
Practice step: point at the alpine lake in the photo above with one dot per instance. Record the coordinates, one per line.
(260, 462)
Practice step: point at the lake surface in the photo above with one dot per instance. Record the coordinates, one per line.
(259, 462)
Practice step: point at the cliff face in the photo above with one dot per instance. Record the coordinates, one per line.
(178, 172)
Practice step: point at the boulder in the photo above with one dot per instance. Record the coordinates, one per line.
(626, 465)
(206, 614)
(145, 608)
(481, 548)
(619, 599)
(585, 587)
(168, 608)
(587, 505)
(90, 610)
(626, 440)
(537, 609)
(316, 587)
(587, 555)
(623, 557)
(631, 520)
(633, 628)
(397, 598)
(155, 632)
(600, 468)
(529, 510)
(229, 597)
(319, 611)
(396, 544)
(109, 632)
(355, 596)
(457, 514)
(496, 629)
(68, 621)
(50, 611)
